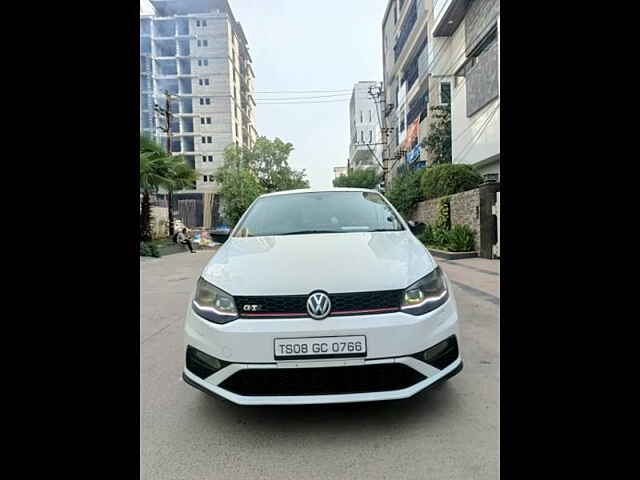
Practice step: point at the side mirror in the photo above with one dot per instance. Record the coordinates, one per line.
(220, 236)
(416, 227)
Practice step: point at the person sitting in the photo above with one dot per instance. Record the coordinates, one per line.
(182, 239)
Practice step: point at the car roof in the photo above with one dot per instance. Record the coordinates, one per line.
(318, 190)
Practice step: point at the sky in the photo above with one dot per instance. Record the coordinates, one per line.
(311, 45)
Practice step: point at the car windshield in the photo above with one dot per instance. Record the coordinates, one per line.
(319, 212)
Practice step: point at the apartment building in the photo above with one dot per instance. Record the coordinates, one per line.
(365, 150)
(197, 52)
(466, 71)
(438, 52)
(405, 59)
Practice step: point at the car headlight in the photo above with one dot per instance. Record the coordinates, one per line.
(426, 294)
(213, 304)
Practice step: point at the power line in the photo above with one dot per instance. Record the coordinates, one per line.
(303, 102)
(304, 91)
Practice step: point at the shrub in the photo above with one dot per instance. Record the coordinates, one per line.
(148, 249)
(460, 239)
(444, 214)
(426, 236)
(440, 237)
(405, 190)
(440, 180)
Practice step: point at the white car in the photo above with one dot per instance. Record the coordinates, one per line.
(321, 296)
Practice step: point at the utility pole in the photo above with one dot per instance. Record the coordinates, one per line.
(166, 113)
(376, 92)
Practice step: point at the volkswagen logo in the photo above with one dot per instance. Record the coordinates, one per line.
(318, 305)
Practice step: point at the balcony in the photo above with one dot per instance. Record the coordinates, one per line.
(447, 16)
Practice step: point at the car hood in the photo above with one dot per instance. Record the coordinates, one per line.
(335, 263)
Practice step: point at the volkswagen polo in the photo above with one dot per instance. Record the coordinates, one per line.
(321, 296)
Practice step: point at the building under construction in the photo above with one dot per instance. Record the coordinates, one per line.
(194, 55)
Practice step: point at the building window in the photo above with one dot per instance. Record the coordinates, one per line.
(205, 43)
(201, 120)
(204, 23)
(209, 140)
(362, 136)
(370, 136)
(202, 101)
(206, 82)
(208, 120)
(199, 43)
(197, 23)
(361, 120)
(207, 101)
(199, 63)
(445, 93)
(204, 140)
(204, 179)
(369, 115)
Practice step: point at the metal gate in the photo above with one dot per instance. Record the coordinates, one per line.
(496, 211)
(187, 212)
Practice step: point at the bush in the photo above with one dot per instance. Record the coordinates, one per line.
(444, 214)
(426, 236)
(457, 239)
(460, 239)
(405, 190)
(148, 249)
(440, 180)
(440, 237)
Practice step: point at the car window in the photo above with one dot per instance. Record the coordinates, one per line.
(318, 212)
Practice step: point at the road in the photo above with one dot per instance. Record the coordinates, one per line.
(451, 432)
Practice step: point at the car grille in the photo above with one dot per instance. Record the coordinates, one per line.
(360, 303)
(323, 380)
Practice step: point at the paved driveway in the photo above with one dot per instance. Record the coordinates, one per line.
(448, 433)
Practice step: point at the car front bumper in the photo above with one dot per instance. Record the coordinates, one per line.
(393, 340)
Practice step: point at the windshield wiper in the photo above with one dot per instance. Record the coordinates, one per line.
(303, 232)
(384, 230)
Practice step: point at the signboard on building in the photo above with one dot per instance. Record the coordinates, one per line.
(412, 134)
(413, 154)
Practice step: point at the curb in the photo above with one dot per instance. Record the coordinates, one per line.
(451, 255)
(172, 249)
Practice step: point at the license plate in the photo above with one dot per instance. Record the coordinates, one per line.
(320, 347)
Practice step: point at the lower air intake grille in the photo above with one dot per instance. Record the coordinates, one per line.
(322, 381)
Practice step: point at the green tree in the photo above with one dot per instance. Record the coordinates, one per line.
(359, 178)
(405, 189)
(438, 140)
(269, 159)
(239, 185)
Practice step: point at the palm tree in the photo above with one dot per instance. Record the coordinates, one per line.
(154, 173)
(159, 169)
